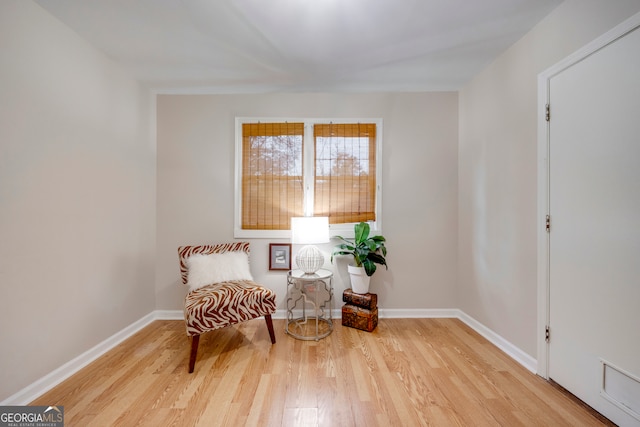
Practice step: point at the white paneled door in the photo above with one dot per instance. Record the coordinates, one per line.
(594, 242)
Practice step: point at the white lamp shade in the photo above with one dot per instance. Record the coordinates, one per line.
(309, 230)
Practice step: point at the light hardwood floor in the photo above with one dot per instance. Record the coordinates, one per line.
(408, 372)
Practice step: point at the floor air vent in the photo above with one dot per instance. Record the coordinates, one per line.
(621, 388)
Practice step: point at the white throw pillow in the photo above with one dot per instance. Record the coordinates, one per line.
(215, 268)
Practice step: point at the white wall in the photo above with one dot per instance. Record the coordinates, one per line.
(196, 195)
(498, 169)
(77, 220)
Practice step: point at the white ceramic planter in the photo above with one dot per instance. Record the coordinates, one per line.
(359, 279)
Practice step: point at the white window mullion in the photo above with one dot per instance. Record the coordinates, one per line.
(308, 169)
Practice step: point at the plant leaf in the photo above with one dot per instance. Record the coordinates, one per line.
(369, 267)
(377, 258)
(361, 232)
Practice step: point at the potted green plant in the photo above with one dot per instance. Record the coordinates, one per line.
(366, 252)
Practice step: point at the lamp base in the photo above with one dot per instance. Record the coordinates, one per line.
(309, 259)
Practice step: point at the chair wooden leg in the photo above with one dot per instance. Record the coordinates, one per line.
(272, 334)
(194, 352)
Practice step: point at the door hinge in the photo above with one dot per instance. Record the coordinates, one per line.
(547, 334)
(547, 112)
(548, 223)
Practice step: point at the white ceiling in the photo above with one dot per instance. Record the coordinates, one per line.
(227, 46)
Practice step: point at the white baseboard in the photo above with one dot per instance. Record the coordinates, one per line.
(46, 383)
(391, 313)
(417, 313)
(514, 352)
(169, 315)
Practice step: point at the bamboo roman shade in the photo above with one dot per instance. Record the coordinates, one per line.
(272, 185)
(345, 172)
(340, 179)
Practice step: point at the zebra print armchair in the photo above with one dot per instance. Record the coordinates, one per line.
(221, 298)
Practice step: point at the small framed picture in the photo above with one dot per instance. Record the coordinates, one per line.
(279, 256)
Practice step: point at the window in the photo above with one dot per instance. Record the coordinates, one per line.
(345, 172)
(306, 167)
(272, 182)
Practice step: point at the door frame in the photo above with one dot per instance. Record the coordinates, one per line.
(544, 184)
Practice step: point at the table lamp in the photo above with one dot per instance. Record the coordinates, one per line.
(309, 230)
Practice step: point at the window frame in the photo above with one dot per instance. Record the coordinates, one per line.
(345, 230)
